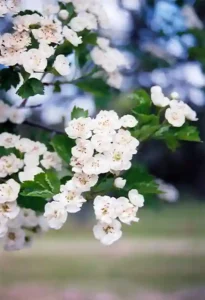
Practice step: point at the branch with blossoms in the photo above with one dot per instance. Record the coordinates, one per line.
(92, 160)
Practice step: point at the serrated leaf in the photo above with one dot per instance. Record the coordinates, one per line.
(78, 112)
(95, 86)
(142, 100)
(188, 133)
(34, 203)
(146, 119)
(45, 185)
(31, 87)
(62, 144)
(9, 78)
(28, 12)
(139, 178)
(145, 132)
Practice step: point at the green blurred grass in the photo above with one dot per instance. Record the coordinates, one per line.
(119, 269)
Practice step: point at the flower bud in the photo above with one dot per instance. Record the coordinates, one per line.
(119, 183)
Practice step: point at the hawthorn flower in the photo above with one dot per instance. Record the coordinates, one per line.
(128, 121)
(101, 142)
(4, 112)
(51, 160)
(72, 36)
(189, 113)
(51, 9)
(46, 50)
(9, 210)
(13, 5)
(158, 97)
(106, 122)
(77, 164)
(63, 14)
(22, 23)
(97, 164)
(79, 128)
(24, 145)
(104, 207)
(119, 159)
(18, 115)
(126, 211)
(55, 214)
(103, 43)
(49, 32)
(119, 182)
(175, 117)
(8, 140)
(83, 149)
(33, 61)
(108, 233)
(31, 160)
(84, 182)
(72, 200)
(61, 65)
(9, 191)
(124, 139)
(83, 21)
(136, 198)
(14, 240)
(9, 165)
(30, 219)
(29, 173)
(3, 8)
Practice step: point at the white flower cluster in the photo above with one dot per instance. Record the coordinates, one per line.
(102, 145)
(15, 221)
(178, 111)
(111, 60)
(9, 6)
(36, 157)
(13, 114)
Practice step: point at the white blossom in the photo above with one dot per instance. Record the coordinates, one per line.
(189, 113)
(9, 210)
(97, 164)
(29, 173)
(9, 165)
(71, 199)
(8, 140)
(175, 117)
(158, 97)
(50, 9)
(79, 128)
(108, 233)
(83, 21)
(63, 14)
(72, 36)
(136, 198)
(9, 191)
(30, 218)
(51, 160)
(102, 142)
(128, 121)
(126, 211)
(106, 122)
(103, 43)
(124, 139)
(83, 149)
(22, 23)
(105, 209)
(115, 80)
(33, 61)
(55, 214)
(46, 50)
(14, 240)
(119, 158)
(49, 32)
(120, 182)
(31, 160)
(18, 115)
(84, 182)
(61, 64)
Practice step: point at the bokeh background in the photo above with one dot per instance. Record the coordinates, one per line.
(163, 256)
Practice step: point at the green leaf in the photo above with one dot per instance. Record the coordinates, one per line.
(145, 132)
(66, 48)
(188, 133)
(146, 119)
(104, 186)
(142, 101)
(6, 152)
(34, 203)
(45, 185)
(31, 87)
(78, 112)
(89, 37)
(139, 178)
(57, 87)
(9, 78)
(28, 12)
(62, 144)
(95, 86)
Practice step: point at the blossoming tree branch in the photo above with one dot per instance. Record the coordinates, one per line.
(42, 184)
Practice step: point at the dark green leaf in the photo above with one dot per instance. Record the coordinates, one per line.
(45, 185)
(9, 78)
(95, 86)
(105, 186)
(78, 112)
(63, 145)
(66, 48)
(188, 133)
(34, 203)
(145, 132)
(57, 87)
(142, 101)
(28, 12)
(30, 88)
(147, 119)
(139, 178)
